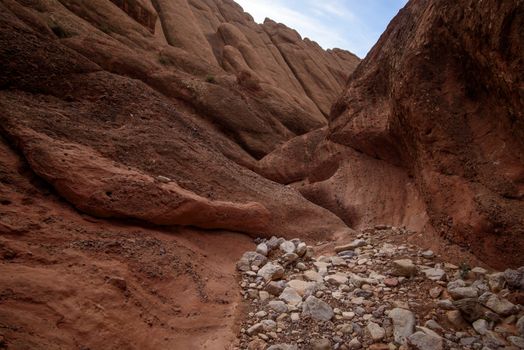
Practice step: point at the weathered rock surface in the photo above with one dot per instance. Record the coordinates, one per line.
(271, 271)
(424, 341)
(317, 309)
(158, 117)
(400, 150)
(172, 131)
(140, 10)
(404, 267)
(89, 270)
(403, 324)
(429, 52)
(98, 186)
(250, 259)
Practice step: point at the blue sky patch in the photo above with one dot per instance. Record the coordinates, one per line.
(354, 25)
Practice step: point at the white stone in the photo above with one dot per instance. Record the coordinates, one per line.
(434, 274)
(338, 261)
(290, 296)
(249, 259)
(463, 292)
(262, 249)
(263, 295)
(520, 326)
(517, 341)
(479, 271)
(354, 344)
(301, 249)
(314, 276)
(428, 254)
(277, 306)
(336, 279)
(271, 271)
(403, 324)
(404, 267)
(423, 341)
(496, 281)
(287, 247)
(303, 288)
(322, 267)
(481, 326)
(317, 309)
(375, 331)
(500, 306)
(348, 315)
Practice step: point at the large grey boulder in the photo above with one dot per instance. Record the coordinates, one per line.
(290, 296)
(303, 288)
(425, 341)
(404, 268)
(278, 306)
(262, 249)
(515, 278)
(501, 306)
(375, 331)
(434, 274)
(463, 292)
(317, 309)
(271, 271)
(250, 259)
(520, 326)
(403, 324)
(287, 247)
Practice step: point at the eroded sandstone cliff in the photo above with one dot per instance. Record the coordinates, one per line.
(167, 104)
(429, 132)
(125, 124)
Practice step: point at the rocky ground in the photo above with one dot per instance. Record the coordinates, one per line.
(375, 293)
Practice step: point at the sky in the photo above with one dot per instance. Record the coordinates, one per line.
(354, 25)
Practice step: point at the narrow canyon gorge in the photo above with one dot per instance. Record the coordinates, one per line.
(174, 175)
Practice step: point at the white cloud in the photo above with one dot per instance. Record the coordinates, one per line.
(331, 23)
(306, 24)
(332, 8)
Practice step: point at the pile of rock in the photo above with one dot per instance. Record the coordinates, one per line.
(374, 295)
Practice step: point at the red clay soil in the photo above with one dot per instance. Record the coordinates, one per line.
(69, 281)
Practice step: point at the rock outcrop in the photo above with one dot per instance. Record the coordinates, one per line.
(134, 106)
(440, 95)
(106, 189)
(429, 133)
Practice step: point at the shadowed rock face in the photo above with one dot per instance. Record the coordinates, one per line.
(140, 11)
(441, 95)
(429, 132)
